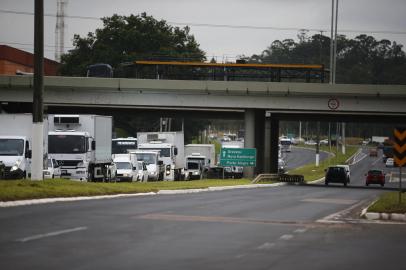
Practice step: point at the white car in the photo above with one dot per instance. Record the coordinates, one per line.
(389, 162)
(53, 169)
(142, 172)
(310, 142)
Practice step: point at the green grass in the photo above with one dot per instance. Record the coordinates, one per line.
(389, 203)
(311, 172)
(11, 190)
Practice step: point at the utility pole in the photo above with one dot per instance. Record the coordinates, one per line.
(38, 106)
(60, 29)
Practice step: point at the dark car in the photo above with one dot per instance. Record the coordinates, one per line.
(336, 174)
(375, 177)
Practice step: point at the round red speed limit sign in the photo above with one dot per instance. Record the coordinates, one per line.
(333, 103)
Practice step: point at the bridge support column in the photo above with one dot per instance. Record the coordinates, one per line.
(260, 140)
(273, 142)
(249, 139)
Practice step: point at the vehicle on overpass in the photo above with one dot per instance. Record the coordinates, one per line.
(99, 70)
(82, 146)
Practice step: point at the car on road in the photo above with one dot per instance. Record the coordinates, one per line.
(336, 174)
(281, 166)
(53, 169)
(347, 171)
(142, 172)
(389, 162)
(375, 177)
(373, 152)
(310, 142)
(323, 142)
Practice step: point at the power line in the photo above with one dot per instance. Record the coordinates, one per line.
(229, 26)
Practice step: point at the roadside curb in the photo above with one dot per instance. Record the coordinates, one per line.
(381, 216)
(385, 216)
(160, 192)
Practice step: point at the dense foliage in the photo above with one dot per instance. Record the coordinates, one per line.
(127, 38)
(360, 60)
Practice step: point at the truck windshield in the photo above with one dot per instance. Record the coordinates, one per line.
(147, 158)
(164, 152)
(66, 144)
(122, 146)
(123, 165)
(11, 147)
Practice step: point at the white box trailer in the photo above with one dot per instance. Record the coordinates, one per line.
(82, 145)
(171, 147)
(199, 158)
(16, 144)
(206, 150)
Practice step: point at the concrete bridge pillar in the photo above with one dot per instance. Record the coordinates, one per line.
(273, 140)
(249, 138)
(260, 140)
(255, 138)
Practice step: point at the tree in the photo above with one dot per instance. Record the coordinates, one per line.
(360, 60)
(128, 38)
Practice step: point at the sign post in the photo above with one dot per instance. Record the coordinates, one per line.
(399, 154)
(240, 157)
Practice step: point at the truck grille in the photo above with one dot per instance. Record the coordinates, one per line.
(69, 163)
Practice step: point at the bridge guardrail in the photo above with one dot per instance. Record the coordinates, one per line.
(286, 178)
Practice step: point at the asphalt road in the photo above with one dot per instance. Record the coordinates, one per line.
(286, 227)
(301, 156)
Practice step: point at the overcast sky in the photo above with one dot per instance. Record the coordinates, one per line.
(367, 15)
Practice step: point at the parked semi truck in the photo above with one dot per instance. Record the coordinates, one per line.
(82, 146)
(199, 158)
(16, 144)
(171, 151)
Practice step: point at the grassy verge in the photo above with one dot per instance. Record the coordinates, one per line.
(311, 172)
(24, 189)
(389, 203)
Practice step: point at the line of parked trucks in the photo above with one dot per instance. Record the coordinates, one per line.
(81, 147)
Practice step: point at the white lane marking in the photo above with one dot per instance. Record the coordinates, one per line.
(300, 230)
(286, 237)
(330, 200)
(56, 233)
(376, 161)
(266, 246)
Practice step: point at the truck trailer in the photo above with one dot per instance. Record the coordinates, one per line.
(82, 146)
(171, 147)
(199, 158)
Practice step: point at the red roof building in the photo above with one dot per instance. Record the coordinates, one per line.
(14, 60)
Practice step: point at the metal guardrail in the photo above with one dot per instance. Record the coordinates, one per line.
(286, 178)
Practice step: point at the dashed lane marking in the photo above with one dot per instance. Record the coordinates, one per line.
(50, 234)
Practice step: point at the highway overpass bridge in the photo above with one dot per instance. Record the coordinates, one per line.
(339, 102)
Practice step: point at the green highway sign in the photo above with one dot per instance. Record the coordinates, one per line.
(241, 157)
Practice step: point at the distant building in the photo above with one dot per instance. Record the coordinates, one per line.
(15, 61)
